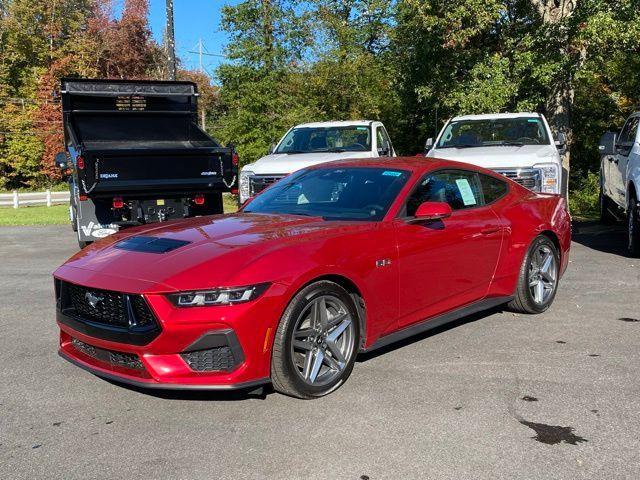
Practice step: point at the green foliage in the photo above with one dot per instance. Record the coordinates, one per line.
(584, 198)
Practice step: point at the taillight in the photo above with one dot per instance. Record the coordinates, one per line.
(80, 163)
(83, 198)
(235, 159)
(198, 199)
(118, 202)
(234, 191)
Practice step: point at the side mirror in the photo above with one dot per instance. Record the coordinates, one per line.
(433, 211)
(272, 148)
(383, 151)
(561, 143)
(61, 160)
(607, 144)
(428, 144)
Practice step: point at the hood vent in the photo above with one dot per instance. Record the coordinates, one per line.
(150, 244)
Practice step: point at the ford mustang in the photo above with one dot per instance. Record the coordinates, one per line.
(336, 259)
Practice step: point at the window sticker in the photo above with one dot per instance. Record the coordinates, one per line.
(362, 128)
(466, 192)
(532, 120)
(391, 173)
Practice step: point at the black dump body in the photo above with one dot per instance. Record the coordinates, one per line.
(141, 137)
(138, 155)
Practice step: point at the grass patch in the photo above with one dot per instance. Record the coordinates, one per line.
(35, 215)
(59, 214)
(584, 198)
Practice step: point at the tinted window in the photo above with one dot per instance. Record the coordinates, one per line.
(351, 193)
(492, 188)
(628, 134)
(326, 139)
(490, 132)
(459, 188)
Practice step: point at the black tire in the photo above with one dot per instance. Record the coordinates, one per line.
(82, 244)
(285, 375)
(606, 217)
(633, 228)
(524, 301)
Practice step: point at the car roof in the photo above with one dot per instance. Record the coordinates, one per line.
(417, 164)
(490, 116)
(336, 123)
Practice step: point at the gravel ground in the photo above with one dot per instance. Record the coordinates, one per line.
(493, 396)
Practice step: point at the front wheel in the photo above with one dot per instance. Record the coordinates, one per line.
(316, 343)
(538, 277)
(633, 228)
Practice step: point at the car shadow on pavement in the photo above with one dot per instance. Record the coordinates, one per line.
(604, 238)
(255, 393)
(363, 357)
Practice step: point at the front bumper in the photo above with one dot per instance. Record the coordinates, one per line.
(210, 348)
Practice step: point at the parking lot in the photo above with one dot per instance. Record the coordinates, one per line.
(496, 395)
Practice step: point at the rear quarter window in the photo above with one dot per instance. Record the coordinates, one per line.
(493, 188)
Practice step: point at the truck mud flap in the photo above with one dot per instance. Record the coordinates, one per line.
(94, 222)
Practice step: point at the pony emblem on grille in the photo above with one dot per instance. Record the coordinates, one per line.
(93, 299)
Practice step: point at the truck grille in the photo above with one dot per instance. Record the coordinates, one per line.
(257, 183)
(105, 307)
(527, 177)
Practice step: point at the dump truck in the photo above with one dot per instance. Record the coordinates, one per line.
(135, 154)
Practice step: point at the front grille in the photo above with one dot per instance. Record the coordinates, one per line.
(117, 359)
(527, 177)
(212, 359)
(257, 183)
(99, 306)
(105, 307)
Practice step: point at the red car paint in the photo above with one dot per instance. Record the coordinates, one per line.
(477, 255)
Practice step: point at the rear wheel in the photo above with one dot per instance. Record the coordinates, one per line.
(633, 228)
(538, 278)
(316, 343)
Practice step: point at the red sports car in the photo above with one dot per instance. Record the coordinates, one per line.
(331, 261)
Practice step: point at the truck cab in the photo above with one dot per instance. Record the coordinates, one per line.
(312, 143)
(519, 146)
(620, 179)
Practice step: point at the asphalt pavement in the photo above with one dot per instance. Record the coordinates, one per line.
(493, 396)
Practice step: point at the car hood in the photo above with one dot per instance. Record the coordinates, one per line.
(283, 164)
(220, 251)
(499, 157)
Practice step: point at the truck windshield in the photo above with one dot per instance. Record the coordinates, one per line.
(352, 193)
(326, 139)
(494, 132)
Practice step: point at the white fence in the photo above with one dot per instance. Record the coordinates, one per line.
(48, 198)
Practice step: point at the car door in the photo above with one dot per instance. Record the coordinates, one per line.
(618, 170)
(447, 263)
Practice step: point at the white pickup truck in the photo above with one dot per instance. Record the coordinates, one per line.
(312, 143)
(517, 145)
(620, 179)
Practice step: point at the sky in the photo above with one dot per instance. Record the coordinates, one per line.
(193, 20)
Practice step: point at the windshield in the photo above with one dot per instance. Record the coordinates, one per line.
(326, 139)
(352, 193)
(494, 132)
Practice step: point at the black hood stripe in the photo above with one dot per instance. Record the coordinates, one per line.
(150, 244)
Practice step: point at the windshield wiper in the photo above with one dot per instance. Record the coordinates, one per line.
(464, 145)
(507, 143)
(336, 150)
(289, 152)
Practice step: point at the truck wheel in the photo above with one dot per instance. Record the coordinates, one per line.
(633, 228)
(316, 343)
(538, 278)
(606, 217)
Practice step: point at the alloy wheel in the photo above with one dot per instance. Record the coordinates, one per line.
(323, 340)
(543, 274)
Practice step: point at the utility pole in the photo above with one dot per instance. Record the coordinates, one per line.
(200, 54)
(171, 43)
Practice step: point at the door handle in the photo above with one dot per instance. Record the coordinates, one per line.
(489, 230)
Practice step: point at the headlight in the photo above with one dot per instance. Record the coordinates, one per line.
(245, 191)
(221, 296)
(549, 177)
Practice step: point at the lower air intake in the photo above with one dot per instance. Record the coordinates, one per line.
(210, 360)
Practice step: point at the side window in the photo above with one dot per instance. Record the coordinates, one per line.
(459, 188)
(628, 134)
(492, 188)
(384, 144)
